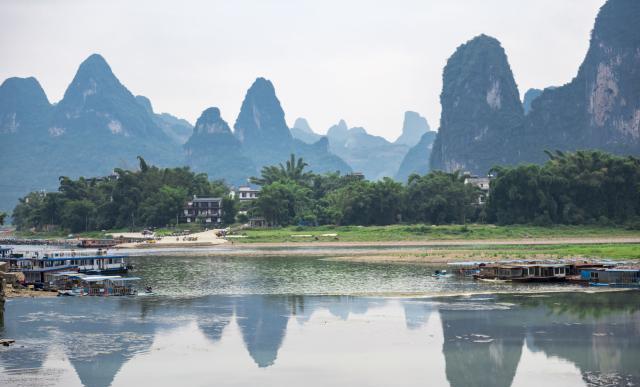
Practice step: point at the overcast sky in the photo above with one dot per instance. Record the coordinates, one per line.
(365, 61)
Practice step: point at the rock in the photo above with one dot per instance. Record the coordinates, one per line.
(413, 127)
(303, 132)
(600, 107)
(212, 148)
(529, 96)
(481, 109)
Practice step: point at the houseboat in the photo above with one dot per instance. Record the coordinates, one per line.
(97, 243)
(78, 284)
(618, 277)
(467, 269)
(35, 264)
(527, 272)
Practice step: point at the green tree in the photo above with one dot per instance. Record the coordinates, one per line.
(229, 210)
(283, 203)
(164, 206)
(571, 188)
(3, 215)
(293, 170)
(440, 198)
(77, 215)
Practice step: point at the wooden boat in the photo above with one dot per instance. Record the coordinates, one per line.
(527, 272)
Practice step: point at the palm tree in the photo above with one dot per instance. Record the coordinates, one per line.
(292, 170)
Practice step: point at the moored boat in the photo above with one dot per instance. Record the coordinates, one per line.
(627, 277)
(35, 264)
(528, 272)
(77, 284)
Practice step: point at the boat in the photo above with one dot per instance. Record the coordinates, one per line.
(70, 284)
(440, 274)
(526, 272)
(35, 264)
(97, 243)
(622, 277)
(467, 269)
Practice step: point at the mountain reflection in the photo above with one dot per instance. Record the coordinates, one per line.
(481, 347)
(482, 338)
(599, 333)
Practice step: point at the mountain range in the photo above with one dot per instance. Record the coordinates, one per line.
(356, 146)
(483, 123)
(99, 124)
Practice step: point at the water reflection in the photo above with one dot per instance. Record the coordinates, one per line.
(319, 340)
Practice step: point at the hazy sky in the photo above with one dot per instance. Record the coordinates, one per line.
(365, 61)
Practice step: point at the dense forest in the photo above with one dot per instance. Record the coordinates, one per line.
(570, 188)
(584, 187)
(147, 197)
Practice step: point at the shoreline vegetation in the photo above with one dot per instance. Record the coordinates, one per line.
(583, 188)
(404, 243)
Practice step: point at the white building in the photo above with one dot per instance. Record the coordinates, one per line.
(245, 193)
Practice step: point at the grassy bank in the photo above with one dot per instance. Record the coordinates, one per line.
(489, 253)
(426, 233)
(603, 251)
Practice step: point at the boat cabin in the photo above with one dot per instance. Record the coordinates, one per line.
(78, 284)
(35, 264)
(612, 277)
(531, 272)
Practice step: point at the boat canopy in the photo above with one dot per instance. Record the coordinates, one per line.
(97, 278)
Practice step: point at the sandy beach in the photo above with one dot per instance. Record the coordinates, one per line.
(200, 239)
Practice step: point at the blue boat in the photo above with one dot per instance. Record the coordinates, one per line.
(626, 277)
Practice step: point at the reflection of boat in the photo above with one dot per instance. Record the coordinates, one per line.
(494, 280)
(72, 292)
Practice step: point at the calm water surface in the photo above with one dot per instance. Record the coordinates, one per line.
(281, 322)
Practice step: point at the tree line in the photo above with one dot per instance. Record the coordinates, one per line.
(148, 197)
(584, 187)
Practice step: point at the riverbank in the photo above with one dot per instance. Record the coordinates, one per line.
(421, 233)
(11, 292)
(414, 253)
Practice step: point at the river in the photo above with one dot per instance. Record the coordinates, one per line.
(291, 321)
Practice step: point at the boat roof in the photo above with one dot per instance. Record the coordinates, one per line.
(527, 265)
(96, 278)
(68, 273)
(41, 258)
(127, 279)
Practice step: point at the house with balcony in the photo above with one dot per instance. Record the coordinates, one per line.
(203, 210)
(246, 193)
